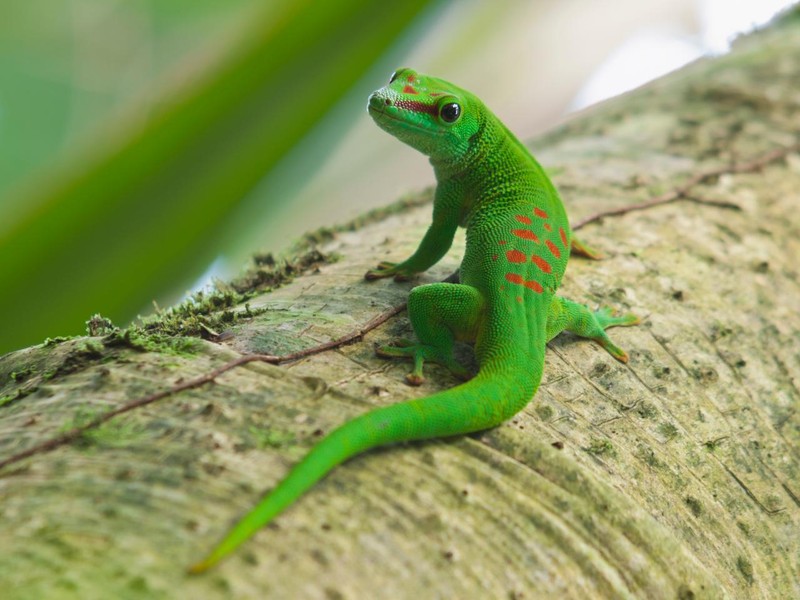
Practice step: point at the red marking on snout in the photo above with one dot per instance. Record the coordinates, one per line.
(540, 213)
(410, 79)
(415, 106)
(515, 256)
(541, 263)
(409, 90)
(553, 248)
(523, 219)
(525, 234)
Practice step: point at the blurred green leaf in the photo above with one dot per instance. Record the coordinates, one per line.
(108, 231)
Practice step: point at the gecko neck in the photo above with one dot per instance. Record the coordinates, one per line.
(497, 169)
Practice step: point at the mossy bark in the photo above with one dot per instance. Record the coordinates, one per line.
(677, 475)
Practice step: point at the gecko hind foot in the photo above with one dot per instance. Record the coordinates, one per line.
(606, 317)
(419, 353)
(613, 349)
(396, 348)
(578, 248)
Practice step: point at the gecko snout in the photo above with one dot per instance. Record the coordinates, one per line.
(377, 101)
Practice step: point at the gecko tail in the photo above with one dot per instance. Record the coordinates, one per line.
(479, 404)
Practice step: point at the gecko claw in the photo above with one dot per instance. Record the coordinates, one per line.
(384, 269)
(414, 379)
(199, 567)
(373, 274)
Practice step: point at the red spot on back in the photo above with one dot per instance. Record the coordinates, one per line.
(519, 298)
(409, 90)
(502, 242)
(548, 227)
(534, 285)
(525, 234)
(542, 264)
(553, 248)
(523, 219)
(515, 256)
(540, 213)
(563, 235)
(531, 285)
(494, 256)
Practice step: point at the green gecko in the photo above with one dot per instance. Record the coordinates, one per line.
(518, 241)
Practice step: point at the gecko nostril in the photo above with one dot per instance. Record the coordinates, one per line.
(377, 101)
(387, 102)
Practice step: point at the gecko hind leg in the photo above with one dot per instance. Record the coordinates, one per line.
(566, 315)
(440, 314)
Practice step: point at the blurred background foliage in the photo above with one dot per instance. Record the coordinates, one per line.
(148, 145)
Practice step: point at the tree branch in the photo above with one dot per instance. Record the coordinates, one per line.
(679, 193)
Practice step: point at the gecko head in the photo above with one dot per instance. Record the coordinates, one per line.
(429, 114)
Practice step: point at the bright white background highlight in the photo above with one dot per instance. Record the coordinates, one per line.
(651, 53)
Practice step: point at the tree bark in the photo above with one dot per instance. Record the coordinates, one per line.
(676, 475)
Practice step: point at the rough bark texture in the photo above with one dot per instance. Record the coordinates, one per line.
(675, 476)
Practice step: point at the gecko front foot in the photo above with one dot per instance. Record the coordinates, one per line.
(388, 269)
(419, 353)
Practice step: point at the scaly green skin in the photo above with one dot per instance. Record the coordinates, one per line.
(518, 244)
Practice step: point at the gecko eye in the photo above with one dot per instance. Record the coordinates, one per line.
(396, 74)
(450, 112)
